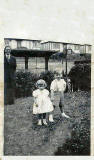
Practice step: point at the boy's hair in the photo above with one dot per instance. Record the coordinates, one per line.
(58, 74)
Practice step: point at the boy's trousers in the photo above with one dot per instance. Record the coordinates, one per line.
(58, 99)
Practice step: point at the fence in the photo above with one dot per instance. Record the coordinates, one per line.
(37, 65)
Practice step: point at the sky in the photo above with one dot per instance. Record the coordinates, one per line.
(57, 20)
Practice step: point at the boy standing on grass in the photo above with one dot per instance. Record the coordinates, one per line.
(57, 88)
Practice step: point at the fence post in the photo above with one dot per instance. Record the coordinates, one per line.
(26, 62)
(46, 63)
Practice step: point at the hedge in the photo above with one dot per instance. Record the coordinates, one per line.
(80, 76)
(25, 82)
(79, 143)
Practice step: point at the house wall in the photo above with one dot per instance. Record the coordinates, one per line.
(88, 49)
(31, 44)
(14, 44)
(61, 47)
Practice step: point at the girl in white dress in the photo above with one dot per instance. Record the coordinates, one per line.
(42, 103)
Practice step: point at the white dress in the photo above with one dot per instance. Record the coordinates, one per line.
(43, 101)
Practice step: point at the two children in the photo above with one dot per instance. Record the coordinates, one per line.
(42, 102)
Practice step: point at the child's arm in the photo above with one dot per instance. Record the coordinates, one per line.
(64, 85)
(52, 94)
(52, 88)
(35, 98)
(35, 101)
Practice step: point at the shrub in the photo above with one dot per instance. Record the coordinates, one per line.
(79, 144)
(25, 82)
(80, 76)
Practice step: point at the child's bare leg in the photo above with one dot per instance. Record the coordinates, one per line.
(40, 119)
(61, 106)
(44, 119)
(51, 117)
(44, 115)
(61, 103)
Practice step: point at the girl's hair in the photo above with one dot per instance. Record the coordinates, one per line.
(41, 81)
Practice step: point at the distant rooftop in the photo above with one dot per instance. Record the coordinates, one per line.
(64, 43)
(23, 39)
(43, 41)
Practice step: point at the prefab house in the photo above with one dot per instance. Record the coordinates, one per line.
(15, 43)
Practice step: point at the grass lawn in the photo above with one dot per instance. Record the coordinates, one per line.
(22, 136)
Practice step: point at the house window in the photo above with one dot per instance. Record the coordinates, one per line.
(89, 48)
(81, 49)
(18, 44)
(36, 44)
(6, 42)
(56, 46)
(64, 46)
(76, 47)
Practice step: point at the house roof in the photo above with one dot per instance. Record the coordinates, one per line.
(43, 42)
(65, 43)
(21, 39)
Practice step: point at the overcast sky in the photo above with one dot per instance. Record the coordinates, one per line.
(58, 20)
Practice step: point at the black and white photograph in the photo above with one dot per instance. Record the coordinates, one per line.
(47, 57)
